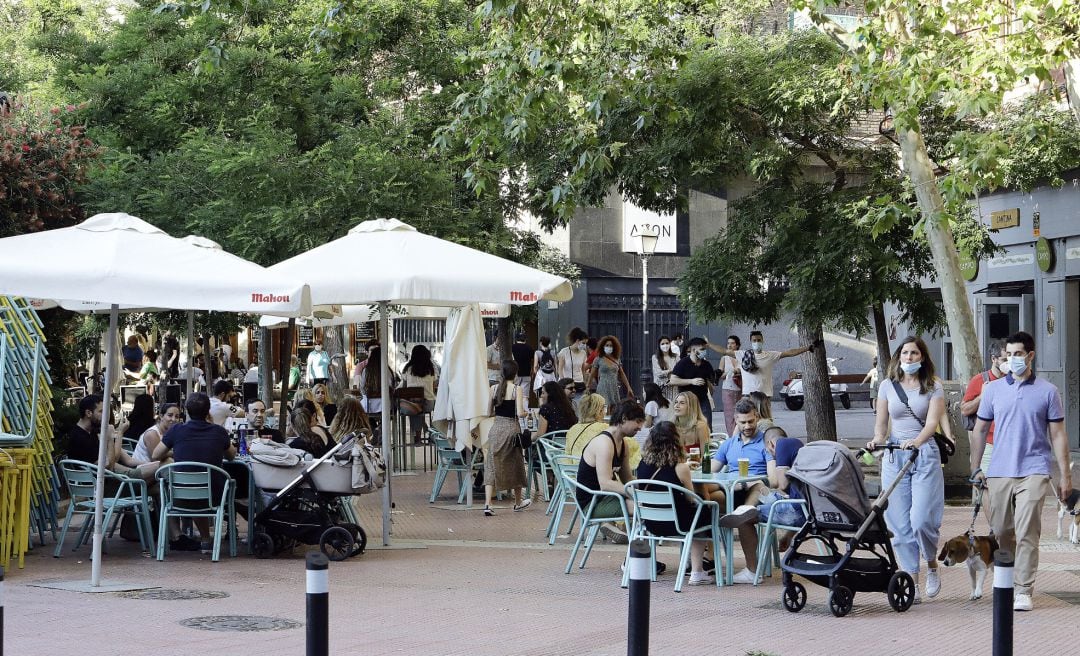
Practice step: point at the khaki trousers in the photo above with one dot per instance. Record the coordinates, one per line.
(1016, 516)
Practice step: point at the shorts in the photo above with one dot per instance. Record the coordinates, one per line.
(785, 515)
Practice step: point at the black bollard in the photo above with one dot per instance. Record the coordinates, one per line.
(637, 634)
(318, 605)
(1003, 603)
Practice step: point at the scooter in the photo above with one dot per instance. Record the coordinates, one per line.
(792, 391)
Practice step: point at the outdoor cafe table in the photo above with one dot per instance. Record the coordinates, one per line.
(728, 481)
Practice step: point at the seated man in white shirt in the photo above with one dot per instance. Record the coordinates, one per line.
(220, 409)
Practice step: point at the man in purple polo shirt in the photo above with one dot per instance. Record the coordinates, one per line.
(1025, 409)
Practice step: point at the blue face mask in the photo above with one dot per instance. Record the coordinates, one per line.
(910, 368)
(1017, 364)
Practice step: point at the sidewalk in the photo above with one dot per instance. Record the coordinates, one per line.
(461, 583)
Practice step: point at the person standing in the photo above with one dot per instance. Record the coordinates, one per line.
(663, 361)
(871, 379)
(607, 372)
(543, 368)
(572, 358)
(677, 345)
(973, 396)
(504, 464)
(694, 374)
(756, 364)
(1026, 409)
(318, 366)
(170, 355)
(523, 356)
(912, 400)
(731, 387)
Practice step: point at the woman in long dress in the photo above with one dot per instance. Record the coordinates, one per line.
(607, 372)
(504, 463)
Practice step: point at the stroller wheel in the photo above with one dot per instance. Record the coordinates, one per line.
(901, 591)
(263, 546)
(794, 597)
(337, 543)
(359, 537)
(841, 600)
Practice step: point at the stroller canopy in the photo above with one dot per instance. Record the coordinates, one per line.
(831, 469)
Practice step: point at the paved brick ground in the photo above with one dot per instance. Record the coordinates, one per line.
(473, 585)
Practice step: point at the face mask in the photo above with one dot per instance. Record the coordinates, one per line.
(697, 355)
(666, 348)
(1003, 366)
(910, 368)
(757, 346)
(1017, 364)
(609, 349)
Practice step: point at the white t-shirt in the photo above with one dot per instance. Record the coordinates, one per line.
(252, 375)
(730, 367)
(220, 411)
(569, 363)
(760, 380)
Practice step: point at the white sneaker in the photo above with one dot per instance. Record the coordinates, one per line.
(744, 576)
(933, 583)
(1022, 602)
(740, 516)
(699, 578)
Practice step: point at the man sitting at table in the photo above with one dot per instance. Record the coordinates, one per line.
(221, 407)
(84, 438)
(198, 440)
(256, 421)
(748, 443)
(783, 449)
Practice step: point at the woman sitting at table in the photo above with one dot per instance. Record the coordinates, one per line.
(556, 413)
(591, 423)
(151, 437)
(690, 422)
(310, 436)
(324, 410)
(139, 419)
(663, 459)
(350, 418)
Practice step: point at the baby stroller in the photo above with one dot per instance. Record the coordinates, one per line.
(308, 500)
(859, 554)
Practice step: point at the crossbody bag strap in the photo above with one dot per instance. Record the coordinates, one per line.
(902, 395)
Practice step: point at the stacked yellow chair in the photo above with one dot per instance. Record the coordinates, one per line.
(29, 491)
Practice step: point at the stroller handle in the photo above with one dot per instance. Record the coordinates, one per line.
(887, 447)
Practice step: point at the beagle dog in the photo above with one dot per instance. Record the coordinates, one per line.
(977, 551)
(1070, 509)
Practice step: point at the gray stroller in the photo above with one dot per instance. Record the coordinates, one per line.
(859, 555)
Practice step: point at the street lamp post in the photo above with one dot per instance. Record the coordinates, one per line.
(648, 238)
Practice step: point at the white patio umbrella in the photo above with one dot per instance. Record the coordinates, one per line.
(350, 314)
(91, 265)
(388, 262)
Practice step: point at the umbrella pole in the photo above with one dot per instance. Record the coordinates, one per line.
(99, 484)
(384, 355)
(189, 375)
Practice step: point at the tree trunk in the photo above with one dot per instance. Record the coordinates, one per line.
(266, 368)
(334, 343)
(1072, 84)
(820, 414)
(286, 354)
(881, 332)
(958, 312)
(504, 339)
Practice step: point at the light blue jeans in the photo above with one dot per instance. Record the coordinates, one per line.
(915, 506)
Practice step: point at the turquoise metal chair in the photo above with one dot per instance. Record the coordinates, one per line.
(655, 501)
(452, 460)
(539, 464)
(768, 543)
(129, 496)
(551, 449)
(186, 492)
(568, 465)
(591, 517)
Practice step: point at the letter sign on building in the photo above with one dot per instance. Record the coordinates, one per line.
(1005, 219)
(1044, 255)
(636, 220)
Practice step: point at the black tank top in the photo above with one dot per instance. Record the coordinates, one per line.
(507, 407)
(587, 473)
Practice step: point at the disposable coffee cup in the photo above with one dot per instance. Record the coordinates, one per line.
(744, 466)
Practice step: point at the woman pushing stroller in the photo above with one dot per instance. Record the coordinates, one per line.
(914, 400)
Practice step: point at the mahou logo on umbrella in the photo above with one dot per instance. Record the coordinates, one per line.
(523, 297)
(258, 297)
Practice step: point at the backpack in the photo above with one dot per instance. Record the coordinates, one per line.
(547, 361)
(749, 362)
(368, 468)
(969, 420)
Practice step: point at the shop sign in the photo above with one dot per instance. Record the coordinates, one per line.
(1072, 253)
(1018, 259)
(969, 266)
(306, 335)
(1044, 254)
(1005, 219)
(637, 221)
